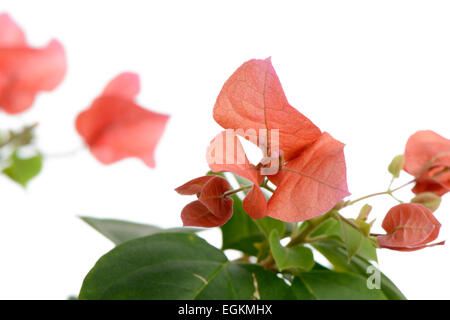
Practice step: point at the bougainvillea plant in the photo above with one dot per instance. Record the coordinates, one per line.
(277, 216)
(276, 213)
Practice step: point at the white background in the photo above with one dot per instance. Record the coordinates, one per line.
(369, 72)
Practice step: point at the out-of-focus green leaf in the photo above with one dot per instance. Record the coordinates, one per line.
(22, 170)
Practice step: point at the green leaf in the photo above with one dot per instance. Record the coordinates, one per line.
(354, 241)
(263, 250)
(119, 231)
(240, 232)
(296, 257)
(396, 165)
(351, 237)
(177, 266)
(329, 285)
(337, 255)
(267, 224)
(368, 250)
(301, 291)
(23, 170)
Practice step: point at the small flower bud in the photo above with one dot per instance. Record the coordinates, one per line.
(396, 165)
(364, 213)
(428, 199)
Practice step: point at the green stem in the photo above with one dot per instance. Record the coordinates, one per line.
(431, 162)
(392, 181)
(13, 137)
(388, 192)
(230, 192)
(268, 188)
(403, 185)
(395, 198)
(64, 154)
(265, 186)
(347, 221)
(312, 226)
(365, 197)
(317, 238)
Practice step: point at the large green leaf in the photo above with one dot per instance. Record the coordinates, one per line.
(296, 257)
(328, 285)
(119, 231)
(240, 232)
(337, 255)
(177, 266)
(22, 170)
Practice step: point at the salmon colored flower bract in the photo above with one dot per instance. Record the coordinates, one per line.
(427, 157)
(312, 171)
(409, 227)
(25, 71)
(115, 127)
(213, 208)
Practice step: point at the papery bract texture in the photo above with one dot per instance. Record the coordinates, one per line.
(193, 186)
(252, 98)
(196, 214)
(312, 183)
(212, 196)
(427, 157)
(225, 153)
(115, 127)
(312, 179)
(213, 208)
(409, 227)
(25, 71)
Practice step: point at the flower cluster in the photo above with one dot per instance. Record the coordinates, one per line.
(412, 226)
(302, 166)
(305, 165)
(310, 171)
